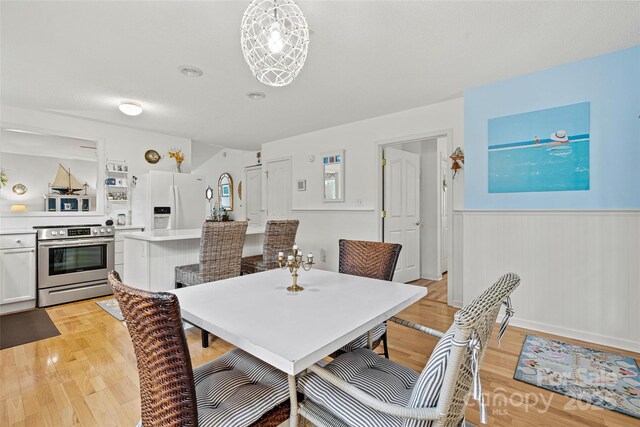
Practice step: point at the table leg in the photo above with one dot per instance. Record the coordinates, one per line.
(293, 398)
(369, 340)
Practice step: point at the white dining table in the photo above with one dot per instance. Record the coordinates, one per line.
(292, 331)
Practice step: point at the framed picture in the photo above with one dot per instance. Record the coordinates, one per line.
(225, 190)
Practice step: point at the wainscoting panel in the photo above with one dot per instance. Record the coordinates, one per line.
(580, 270)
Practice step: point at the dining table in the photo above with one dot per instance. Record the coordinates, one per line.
(293, 330)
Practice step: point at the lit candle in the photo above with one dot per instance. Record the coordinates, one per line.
(299, 252)
(310, 256)
(295, 247)
(290, 257)
(280, 254)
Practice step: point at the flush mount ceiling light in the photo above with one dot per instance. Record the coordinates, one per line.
(275, 38)
(256, 96)
(190, 71)
(130, 108)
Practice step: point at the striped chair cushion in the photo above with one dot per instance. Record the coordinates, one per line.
(380, 377)
(427, 389)
(362, 341)
(189, 275)
(236, 389)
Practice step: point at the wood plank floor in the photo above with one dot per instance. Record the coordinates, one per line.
(437, 288)
(87, 376)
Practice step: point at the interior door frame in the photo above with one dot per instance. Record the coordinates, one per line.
(448, 133)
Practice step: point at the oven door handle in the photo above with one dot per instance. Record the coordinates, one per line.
(68, 243)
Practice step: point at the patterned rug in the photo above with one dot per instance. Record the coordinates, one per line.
(111, 306)
(605, 379)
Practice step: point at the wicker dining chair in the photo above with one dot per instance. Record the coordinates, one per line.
(362, 388)
(220, 257)
(375, 260)
(233, 390)
(279, 236)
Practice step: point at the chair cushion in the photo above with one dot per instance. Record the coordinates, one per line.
(363, 341)
(189, 274)
(236, 389)
(380, 377)
(426, 391)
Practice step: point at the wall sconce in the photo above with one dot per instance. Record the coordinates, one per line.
(457, 160)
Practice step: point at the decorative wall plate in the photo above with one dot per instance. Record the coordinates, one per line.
(240, 190)
(152, 156)
(19, 189)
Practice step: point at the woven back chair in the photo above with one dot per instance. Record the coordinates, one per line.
(172, 392)
(375, 260)
(167, 391)
(279, 236)
(221, 249)
(361, 388)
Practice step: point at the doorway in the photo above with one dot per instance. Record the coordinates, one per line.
(278, 178)
(416, 210)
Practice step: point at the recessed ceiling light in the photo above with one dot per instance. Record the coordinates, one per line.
(256, 96)
(190, 71)
(130, 108)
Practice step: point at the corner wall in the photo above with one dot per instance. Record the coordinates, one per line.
(323, 224)
(577, 252)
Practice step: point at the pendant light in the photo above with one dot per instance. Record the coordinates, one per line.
(274, 37)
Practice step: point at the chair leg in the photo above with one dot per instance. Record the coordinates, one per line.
(384, 344)
(205, 338)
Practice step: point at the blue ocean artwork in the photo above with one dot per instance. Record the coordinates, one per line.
(544, 150)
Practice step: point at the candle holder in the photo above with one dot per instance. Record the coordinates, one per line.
(294, 262)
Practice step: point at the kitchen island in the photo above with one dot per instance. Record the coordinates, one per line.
(150, 257)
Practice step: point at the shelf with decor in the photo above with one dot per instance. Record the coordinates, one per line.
(117, 182)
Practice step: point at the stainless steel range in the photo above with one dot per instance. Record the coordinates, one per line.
(73, 262)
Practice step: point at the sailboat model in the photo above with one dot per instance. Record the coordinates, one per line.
(65, 183)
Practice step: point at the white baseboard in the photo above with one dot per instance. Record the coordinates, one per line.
(578, 335)
(456, 304)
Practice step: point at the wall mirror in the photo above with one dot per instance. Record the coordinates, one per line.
(62, 173)
(225, 192)
(333, 176)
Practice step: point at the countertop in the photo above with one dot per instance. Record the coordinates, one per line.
(129, 227)
(188, 234)
(18, 231)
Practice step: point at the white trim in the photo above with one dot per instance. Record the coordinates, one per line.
(350, 210)
(578, 335)
(548, 212)
(456, 304)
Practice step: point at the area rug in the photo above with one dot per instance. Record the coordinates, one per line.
(25, 327)
(111, 306)
(604, 379)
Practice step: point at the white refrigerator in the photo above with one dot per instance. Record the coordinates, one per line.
(167, 200)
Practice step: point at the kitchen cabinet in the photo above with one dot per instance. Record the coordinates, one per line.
(121, 230)
(17, 272)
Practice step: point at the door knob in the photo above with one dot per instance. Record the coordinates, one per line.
(418, 222)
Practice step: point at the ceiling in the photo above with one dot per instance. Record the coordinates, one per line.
(366, 58)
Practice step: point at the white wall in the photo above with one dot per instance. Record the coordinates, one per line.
(322, 224)
(232, 162)
(579, 269)
(120, 143)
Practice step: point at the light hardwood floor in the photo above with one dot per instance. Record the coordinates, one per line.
(437, 288)
(87, 376)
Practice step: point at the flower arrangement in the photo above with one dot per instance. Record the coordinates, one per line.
(3, 179)
(176, 153)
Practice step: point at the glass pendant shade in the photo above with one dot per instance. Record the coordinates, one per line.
(274, 38)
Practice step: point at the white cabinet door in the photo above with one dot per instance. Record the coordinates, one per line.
(17, 275)
(279, 189)
(253, 195)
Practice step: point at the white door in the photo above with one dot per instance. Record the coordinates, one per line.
(253, 195)
(279, 189)
(190, 201)
(401, 201)
(444, 209)
(17, 275)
